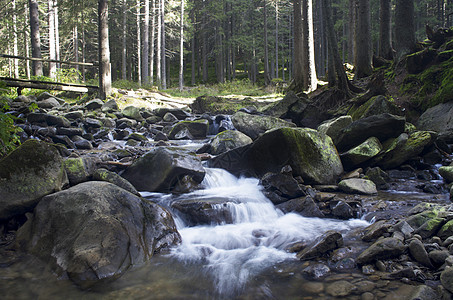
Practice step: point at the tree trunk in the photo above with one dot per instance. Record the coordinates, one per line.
(57, 33)
(145, 48)
(15, 40)
(139, 43)
(163, 61)
(404, 28)
(159, 45)
(385, 30)
(193, 56)
(181, 49)
(124, 43)
(153, 33)
(299, 84)
(35, 37)
(352, 28)
(276, 39)
(52, 49)
(27, 43)
(363, 58)
(105, 76)
(204, 50)
(267, 79)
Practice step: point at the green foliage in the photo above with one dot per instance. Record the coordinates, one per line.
(9, 138)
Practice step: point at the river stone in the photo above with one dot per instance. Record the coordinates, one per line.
(33, 170)
(73, 115)
(280, 109)
(133, 113)
(446, 278)
(76, 170)
(430, 227)
(341, 210)
(383, 127)
(376, 105)
(177, 112)
(446, 230)
(48, 103)
(282, 184)
(304, 206)
(69, 131)
(108, 176)
(334, 127)
(316, 271)
(205, 211)
(341, 288)
(379, 177)
(447, 173)
(57, 121)
(438, 118)
(418, 252)
(358, 186)
(228, 140)
(438, 257)
(329, 241)
(83, 144)
(405, 149)
(360, 154)
(96, 231)
(197, 129)
(381, 249)
(94, 104)
(109, 106)
(170, 118)
(255, 125)
(375, 230)
(160, 169)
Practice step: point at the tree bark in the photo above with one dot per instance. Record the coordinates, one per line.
(363, 57)
(163, 61)
(276, 39)
(52, 49)
(145, 48)
(15, 40)
(27, 43)
(153, 33)
(35, 37)
(404, 28)
(181, 49)
(105, 75)
(385, 30)
(159, 46)
(57, 33)
(139, 43)
(124, 43)
(267, 79)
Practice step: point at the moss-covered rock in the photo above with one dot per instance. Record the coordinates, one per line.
(132, 112)
(374, 106)
(228, 140)
(334, 127)
(108, 176)
(255, 125)
(417, 62)
(360, 154)
(446, 230)
(76, 170)
(33, 170)
(358, 186)
(381, 249)
(430, 227)
(219, 105)
(447, 173)
(197, 129)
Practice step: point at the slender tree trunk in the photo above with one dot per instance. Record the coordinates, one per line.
(105, 75)
(52, 49)
(83, 46)
(139, 43)
(159, 45)
(385, 30)
(404, 28)
(145, 47)
(352, 30)
(204, 50)
(276, 39)
(299, 84)
(35, 37)
(57, 33)
(181, 49)
(15, 42)
(363, 58)
(308, 47)
(153, 34)
(193, 56)
(267, 78)
(75, 39)
(163, 61)
(124, 43)
(27, 43)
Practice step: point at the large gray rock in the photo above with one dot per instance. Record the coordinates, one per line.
(418, 252)
(381, 249)
(358, 186)
(228, 140)
(446, 278)
(96, 231)
(310, 154)
(133, 113)
(375, 106)
(108, 176)
(160, 169)
(255, 125)
(438, 118)
(304, 206)
(205, 211)
(94, 104)
(33, 170)
(329, 241)
(334, 127)
(383, 127)
(447, 173)
(362, 153)
(197, 129)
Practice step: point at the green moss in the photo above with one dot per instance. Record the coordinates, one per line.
(74, 166)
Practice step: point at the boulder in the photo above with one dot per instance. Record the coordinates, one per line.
(446, 278)
(228, 140)
(374, 106)
(375, 230)
(360, 154)
(310, 154)
(341, 288)
(383, 127)
(438, 118)
(220, 105)
(341, 210)
(418, 252)
(94, 104)
(255, 125)
(133, 113)
(33, 170)
(280, 109)
(328, 241)
(304, 206)
(379, 177)
(48, 103)
(77, 170)
(197, 129)
(334, 127)
(446, 230)
(283, 185)
(430, 227)
(381, 249)
(108, 176)
(177, 112)
(358, 186)
(205, 211)
(95, 231)
(109, 106)
(57, 121)
(160, 169)
(447, 173)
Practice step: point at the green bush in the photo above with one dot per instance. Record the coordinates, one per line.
(9, 138)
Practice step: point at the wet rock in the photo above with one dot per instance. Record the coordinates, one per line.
(316, 271)
(329, 241)
(160, 136)
(36, 118)
(69, 131)
(430, 227)
(446, 278)
(96, 231)
(94, 104)
(446, 230)
(310, 154)
(358, 186)
(438, 257)
(341, 288)
(57, 121)
(341, 210)
(381, 249)
(92, 123)
(197, 129)
(313, 287)
(423, 292)
(83, 144)
(170, 118)
(109, 106)
(447, 173)
(376, 230)
(205, 211)
(360, 154)
(228, 140)
(74, 115)
(33, 170)
(161, 168)
(437, 118)
(304, 206)
(379, 177)
(404, 228)
(254, 126)
(138, 137)
(64, 140)
(283, 184)
(418, 252)
(382, 126)
(133, 113)
(334, 127)
(345, 264)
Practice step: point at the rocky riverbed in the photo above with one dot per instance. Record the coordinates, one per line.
(112, 203)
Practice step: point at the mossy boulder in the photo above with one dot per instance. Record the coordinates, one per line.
(430, 227)
(334, 127)
(280, 109)
(447, 173)
(404, 149)
(76, 170)
(256, 125)
(96, 231)
(358, 186)
(220, 105)
(446, 230)
(162, 168)
(133, 113)
(383, 127)
(374, 106)
(438, 118)
(417, 62)
(228, 140)
(108, 176)
(362, 153)
(310, 154)
(197, 129)
(33, 170)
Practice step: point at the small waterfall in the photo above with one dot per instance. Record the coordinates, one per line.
(257, 239)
